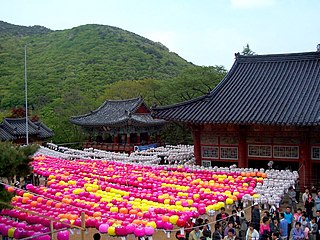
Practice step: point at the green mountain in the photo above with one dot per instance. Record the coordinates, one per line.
(71, 72)
(72, 68)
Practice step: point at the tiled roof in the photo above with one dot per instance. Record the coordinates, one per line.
(277, 89)
(17, 126)
(44, 131)
(5, 135)
(117, 112)
(11, 128)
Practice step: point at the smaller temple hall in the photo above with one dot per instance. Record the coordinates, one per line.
(119, 125)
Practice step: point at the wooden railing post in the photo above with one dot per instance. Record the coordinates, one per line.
(83, 225)
(51, 230)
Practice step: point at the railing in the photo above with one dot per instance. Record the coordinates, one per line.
(117, 147)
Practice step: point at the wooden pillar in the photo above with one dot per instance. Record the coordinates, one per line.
(196, 135)
(138, 139)
(242, 150)
(128, 138)
(305, 161)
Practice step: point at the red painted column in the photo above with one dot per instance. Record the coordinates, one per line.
(305, 161)
(115, 138)
(196, 135)
(242, 149)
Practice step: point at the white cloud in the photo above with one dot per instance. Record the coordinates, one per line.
(252, 3)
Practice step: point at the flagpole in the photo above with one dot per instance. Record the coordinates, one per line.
(26, 93)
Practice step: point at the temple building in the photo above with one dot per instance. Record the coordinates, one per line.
(14, 130)
(119, 125)
(267, 109)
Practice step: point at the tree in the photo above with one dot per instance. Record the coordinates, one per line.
(14, 160)
(247, 51)
(192, 83)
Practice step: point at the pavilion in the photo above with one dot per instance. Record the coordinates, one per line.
(266, 109)
(119, 125)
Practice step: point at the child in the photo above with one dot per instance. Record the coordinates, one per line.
(313, 229)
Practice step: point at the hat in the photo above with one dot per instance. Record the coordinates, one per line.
(255, 204)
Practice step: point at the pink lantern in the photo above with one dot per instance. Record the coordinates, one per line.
(130, 228)
(121, 231)
(149, 231)
(139, 232)
(103, 228)
(63, 235)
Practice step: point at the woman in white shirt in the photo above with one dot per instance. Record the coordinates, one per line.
(252, 234)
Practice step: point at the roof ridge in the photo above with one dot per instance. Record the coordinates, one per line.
(103, 104)
(278, 57)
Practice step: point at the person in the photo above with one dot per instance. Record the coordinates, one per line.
(189, 227)
(244, 225)
(304, 220)
(292, 199)
(309, 204)
(265, 214)
(318, 223)
(274, 225)
(206, 232)
(317, 201)
(17, 184)
(217, 235)
(222, 218)
(283, 227)
(297, 189)
(96, 236)
(206, 221)
(273, 212)
(222, 215)
(297, 232)
(305, 195)
(313, 229)
(265, 228)
(180, 236)
(297, 215)
(275, 236)
(289, 217)
(252, 233)
(200, 223)
(231, 235)
(255, 216)
(230, 226)
(235, 219)
(36, 179)
(195, 234)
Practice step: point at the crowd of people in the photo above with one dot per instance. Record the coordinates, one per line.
(275, 223)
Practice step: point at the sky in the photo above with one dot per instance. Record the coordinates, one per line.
(204, 32)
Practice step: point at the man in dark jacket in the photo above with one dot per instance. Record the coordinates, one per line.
(217, 235)
(255, 216)
(235, 219)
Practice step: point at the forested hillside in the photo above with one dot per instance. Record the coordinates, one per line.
(73, 71)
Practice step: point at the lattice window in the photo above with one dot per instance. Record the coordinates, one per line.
(210, 152)
(229, 153)
(260, 151)
(206, 163)
(316, 153)
(286, 152)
